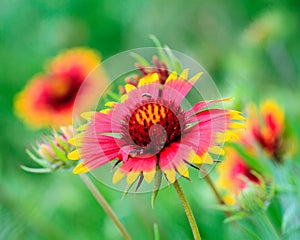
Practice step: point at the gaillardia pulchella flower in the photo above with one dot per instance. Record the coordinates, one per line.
(51, 151)
(244, 187)
(235, 174)
(48, 99)
(264, 130)
(154, 131)
(149, 130)
(266, 127)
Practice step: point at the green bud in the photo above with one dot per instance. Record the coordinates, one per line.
(52, 150)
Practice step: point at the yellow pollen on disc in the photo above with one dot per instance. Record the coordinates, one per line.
(150, 113)
(156, 110)
(163, 113)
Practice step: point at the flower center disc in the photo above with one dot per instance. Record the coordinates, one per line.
(164, 125)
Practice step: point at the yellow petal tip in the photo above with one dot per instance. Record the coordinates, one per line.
(129, 88)
(117, 176)
(87, 115)
(131, 177)
(75, 155)
(80, 168)
(170, 174)
(196, 77)
(148, 176)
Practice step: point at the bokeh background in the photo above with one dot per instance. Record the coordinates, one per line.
(250, 48)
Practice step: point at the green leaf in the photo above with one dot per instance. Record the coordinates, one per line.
(223, 208)
(126, 191)
(39, 161)
(63, 143)
(109, 134)
(58, 152)
(156, 232)
(140, 59)
(288, 220)
(235, 217)
(251, 234)
(112, 96)
(157, 183)
(174, 61)
(35, 170)
(162, 55)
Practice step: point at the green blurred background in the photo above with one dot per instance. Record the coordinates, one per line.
(250, 48)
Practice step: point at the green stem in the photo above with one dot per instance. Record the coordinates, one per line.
(216, 192)
(270, 225)
(104, 205)
(188, 210)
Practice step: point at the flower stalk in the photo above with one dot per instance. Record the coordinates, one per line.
(270, 226)
(188, 210)
(216, 192)
(90, 185)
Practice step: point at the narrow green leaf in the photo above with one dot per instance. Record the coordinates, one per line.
(126, 191)
(235, 217)
(156, 232)
(223, 208)
(59, 152)
(39, 161)
(35, 170)
(111, 96)
(63, 143)
(114, 135)
(157, 183)
(162, 55)
(140, 59)
(251, 233)
(174, 61)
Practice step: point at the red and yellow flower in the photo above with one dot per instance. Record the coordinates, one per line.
(264, 130)
(149, 130)
(266, 127)
(48, 98)
(234, 175)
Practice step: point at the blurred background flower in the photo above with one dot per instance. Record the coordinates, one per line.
(48, 100)
(266, 128)
(235, 174)
(264, 132)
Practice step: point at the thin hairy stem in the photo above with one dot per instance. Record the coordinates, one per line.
(90, 185)
(188, 210)
(216, 192)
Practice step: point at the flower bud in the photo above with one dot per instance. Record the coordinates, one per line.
(52, 150)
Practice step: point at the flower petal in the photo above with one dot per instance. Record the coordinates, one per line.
(80, 168)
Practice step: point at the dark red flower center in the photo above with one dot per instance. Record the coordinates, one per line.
(154, 125)
(61, 90)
